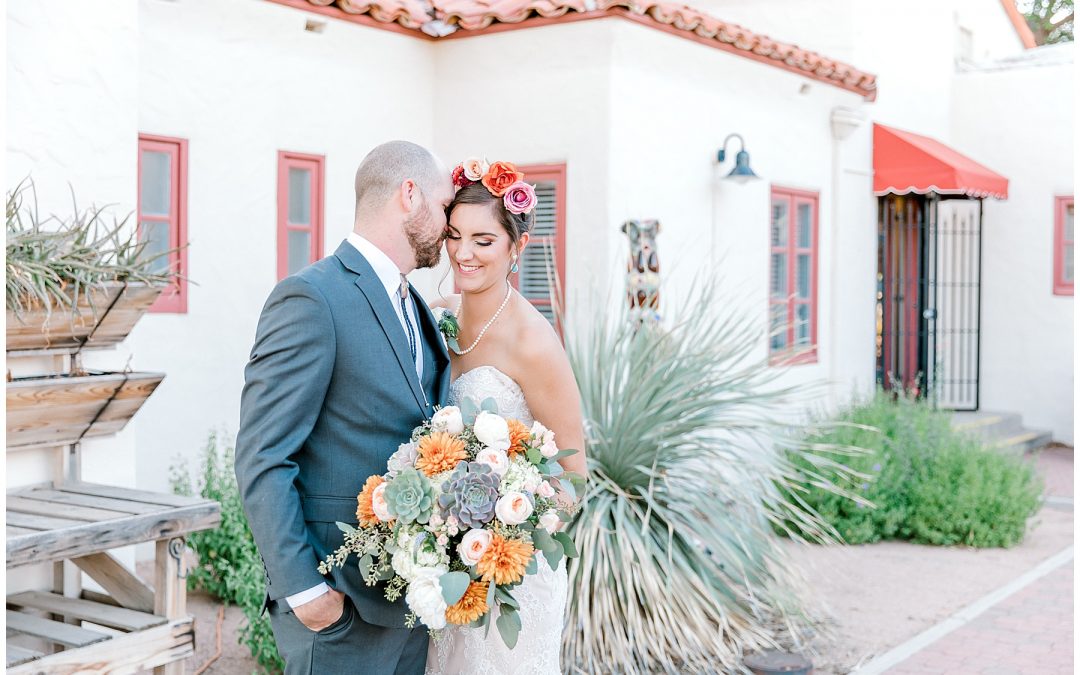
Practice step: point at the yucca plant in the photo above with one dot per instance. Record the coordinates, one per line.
(680, 570)
(52, 262)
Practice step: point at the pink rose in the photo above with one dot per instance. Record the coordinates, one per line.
(473, 546)
(520, 197)
(549, 449)
(545, 490)
(550, 521)
(495, 458)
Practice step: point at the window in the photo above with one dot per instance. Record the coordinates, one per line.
(547, 245)
(1063, 246)
(793, 276)
(300, 211)
(162, 209)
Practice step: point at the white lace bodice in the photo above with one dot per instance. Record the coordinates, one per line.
(462, 650)
(484, 382)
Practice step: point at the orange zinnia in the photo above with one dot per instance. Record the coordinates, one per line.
(439, 452)
(519, 437)
(471, 606)
(365, 515)
(505, 560)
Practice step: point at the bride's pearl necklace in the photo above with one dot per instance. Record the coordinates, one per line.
(486, 325)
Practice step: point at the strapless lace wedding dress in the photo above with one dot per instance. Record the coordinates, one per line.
(463, 650)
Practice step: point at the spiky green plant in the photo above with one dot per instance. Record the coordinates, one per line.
(680, 570)
(52, 263)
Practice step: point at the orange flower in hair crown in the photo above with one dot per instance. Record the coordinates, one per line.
(502, 179)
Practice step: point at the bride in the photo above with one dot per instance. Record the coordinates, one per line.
(507, 351)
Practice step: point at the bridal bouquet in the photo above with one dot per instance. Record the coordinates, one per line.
(457, 519)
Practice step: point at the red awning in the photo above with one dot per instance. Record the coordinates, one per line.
(905, 162)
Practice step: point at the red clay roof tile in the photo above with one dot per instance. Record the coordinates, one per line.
(441, 17)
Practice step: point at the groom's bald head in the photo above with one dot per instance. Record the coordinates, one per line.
(385, 168)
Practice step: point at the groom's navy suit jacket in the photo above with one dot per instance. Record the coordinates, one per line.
(330, 392)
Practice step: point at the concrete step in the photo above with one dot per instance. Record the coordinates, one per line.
(1002, 431)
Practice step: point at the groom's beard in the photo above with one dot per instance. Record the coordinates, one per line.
(426, 248)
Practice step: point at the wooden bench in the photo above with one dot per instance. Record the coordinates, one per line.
(130, 627)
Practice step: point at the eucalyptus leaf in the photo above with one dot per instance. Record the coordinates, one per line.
(364, 564)
(345, 527)
(504, 597)
(565, 453)
(509, 623)
(569, 549)
(531, 567)
(453, 344)
(490, 405)
(554, 555)
(534, 456)
(468, 410)
(454, 585)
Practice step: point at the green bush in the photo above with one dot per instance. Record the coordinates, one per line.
(229, 564)
(922, 480)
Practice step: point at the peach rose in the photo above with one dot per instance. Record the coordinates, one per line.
(513, 508)
(474, 168)
(500, 176)
(474, 545)
(378, 503)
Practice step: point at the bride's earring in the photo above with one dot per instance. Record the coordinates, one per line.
(513, 264)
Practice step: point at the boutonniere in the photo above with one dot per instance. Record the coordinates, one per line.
(448, 326)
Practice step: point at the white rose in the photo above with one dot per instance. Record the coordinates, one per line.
(550, 521)
(428, 558)
(549, 449)
(513, 508)
(532, 481)
(473, 546)
(402, 459)
(495, 458)
(491, 430)
(448, 419)
(542, 433)
(475, 168)
(378, 503)
(425, 597)
(545, 490)
(403, 563)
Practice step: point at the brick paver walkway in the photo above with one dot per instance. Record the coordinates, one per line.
(1028, 633)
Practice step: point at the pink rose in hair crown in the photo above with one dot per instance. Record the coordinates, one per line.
(520, 198)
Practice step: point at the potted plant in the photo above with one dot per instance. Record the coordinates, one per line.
(74, 283)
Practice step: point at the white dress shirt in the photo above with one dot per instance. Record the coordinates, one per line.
(390, 276)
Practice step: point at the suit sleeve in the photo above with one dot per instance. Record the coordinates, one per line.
(285, 383)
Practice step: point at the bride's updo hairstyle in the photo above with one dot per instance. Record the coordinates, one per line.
(502, 187)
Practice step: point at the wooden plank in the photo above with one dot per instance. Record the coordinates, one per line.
(129, 653)
(31, 521)
(17, 655)
(57, 410)
(54, 631)
(170, 592)
(89, 538)
(98, 327)
(130, 494)
(99, 598)
(55, 497)
(19, 504)
(126, 588)
(104, 615)
(18, 531)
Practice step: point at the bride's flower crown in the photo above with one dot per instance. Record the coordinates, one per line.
(502, 179)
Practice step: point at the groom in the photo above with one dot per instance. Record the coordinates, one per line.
(347, 360)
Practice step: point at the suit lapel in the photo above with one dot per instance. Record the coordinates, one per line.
(439, 355)
(368, 283)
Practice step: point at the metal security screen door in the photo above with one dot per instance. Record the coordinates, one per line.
(929, 272)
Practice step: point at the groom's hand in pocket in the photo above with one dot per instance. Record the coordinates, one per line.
(321, 612)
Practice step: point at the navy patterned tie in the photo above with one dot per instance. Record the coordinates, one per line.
(404, 293)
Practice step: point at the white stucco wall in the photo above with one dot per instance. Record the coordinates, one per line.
(71, 108)
(1019, 119)
(241, 81)
(560, 116)
(667, 122)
